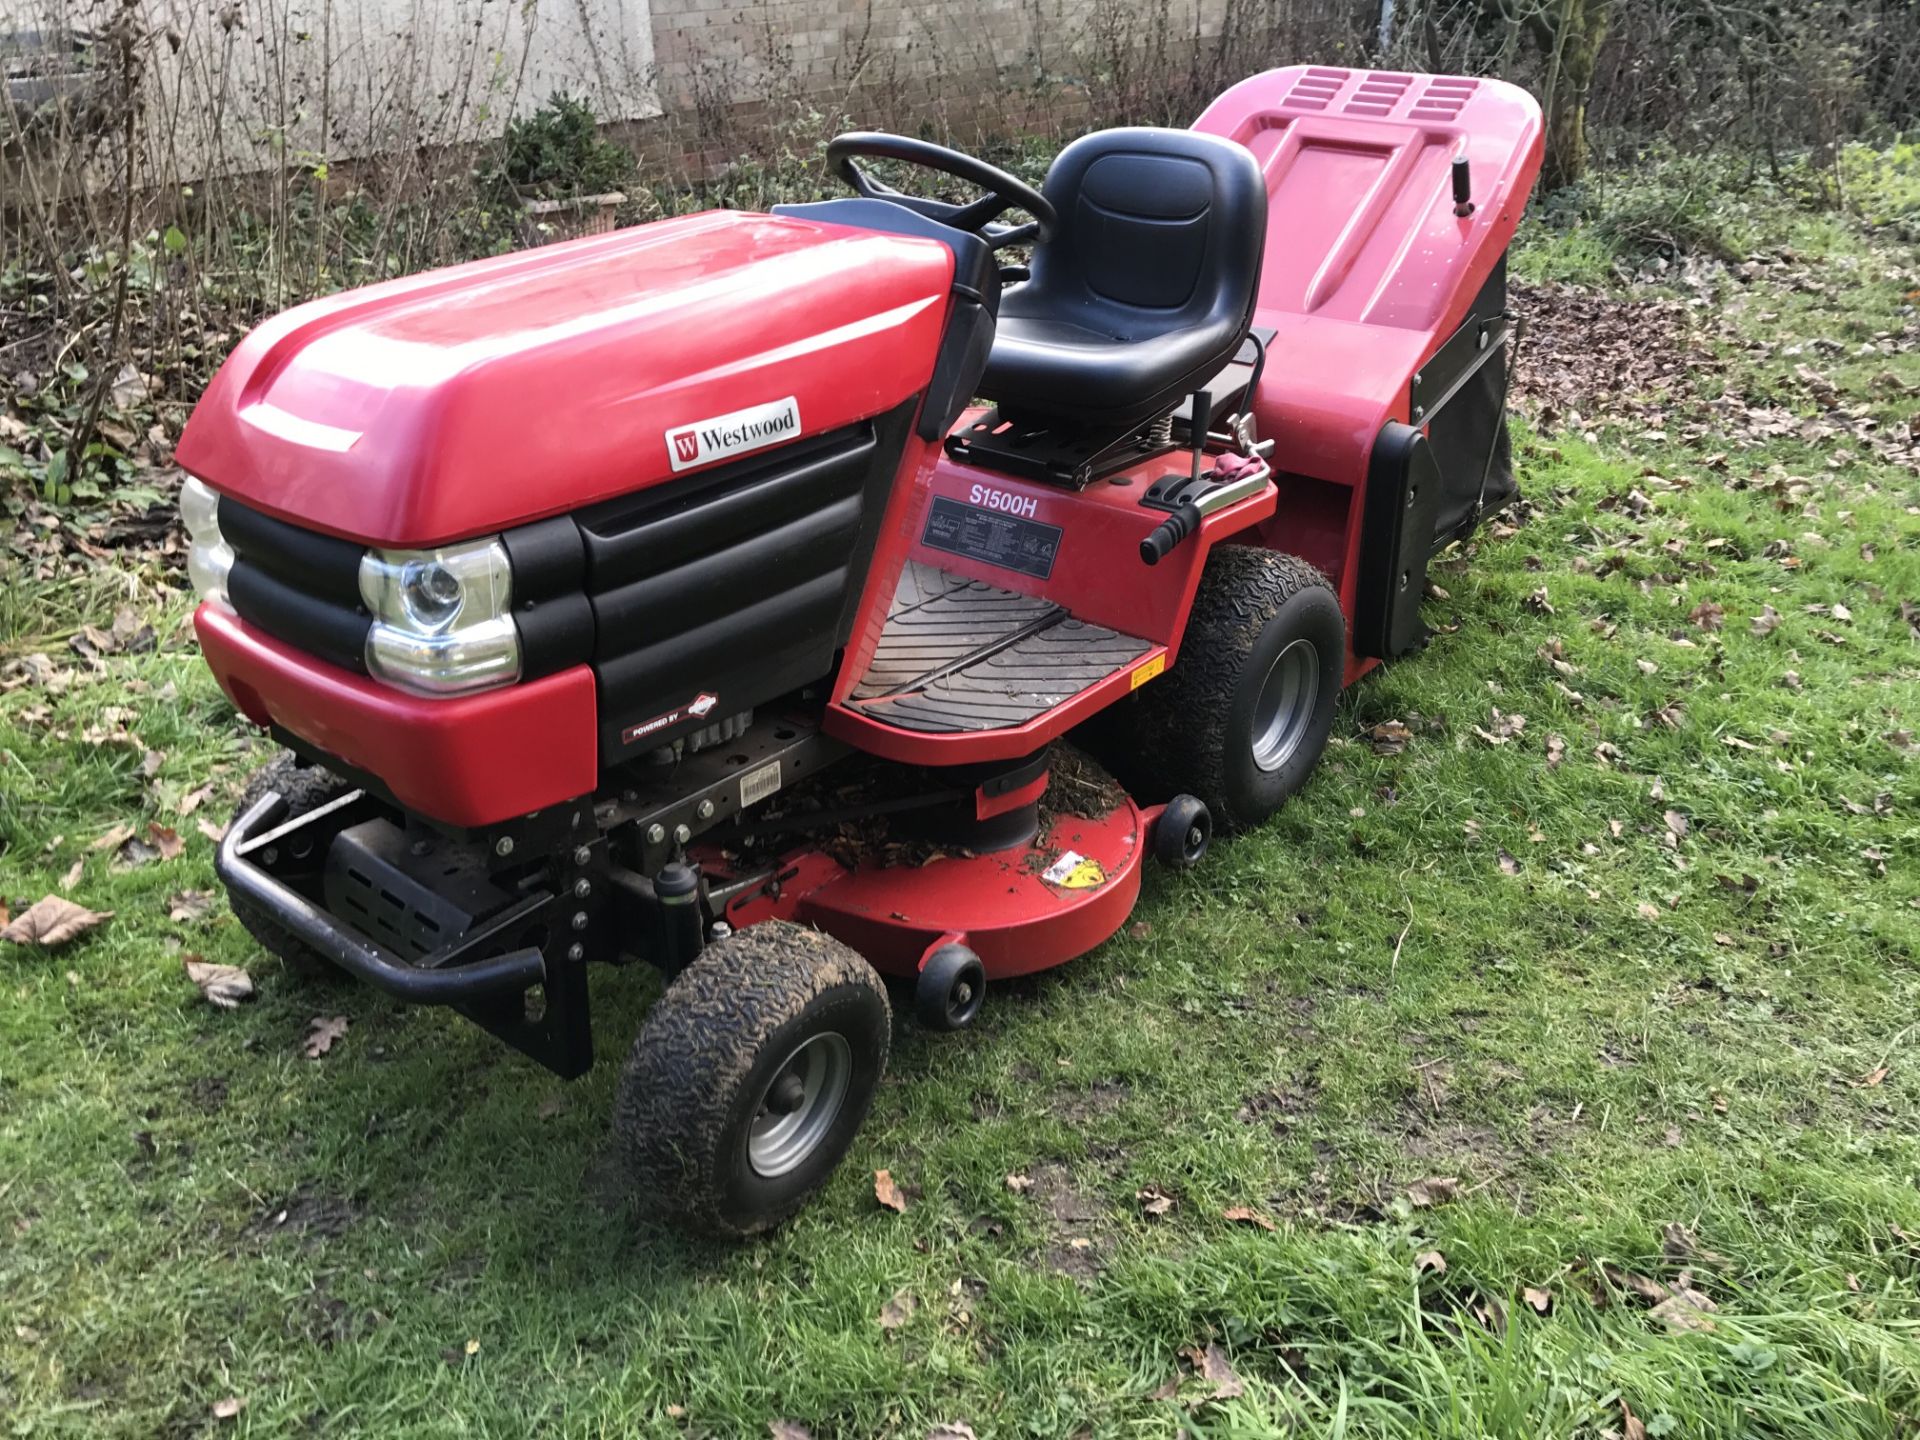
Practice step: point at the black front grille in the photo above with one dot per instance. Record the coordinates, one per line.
(296, 585)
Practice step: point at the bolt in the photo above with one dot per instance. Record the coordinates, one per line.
(582, 855)
(503, 847)
(656, 833)
(579, 919)
(581, 888)
(1404, 577)
(576, 951)
(421, 847)
(1485, 339)
(681, 834)
(575, 821)
(705, 810)
(271, 855)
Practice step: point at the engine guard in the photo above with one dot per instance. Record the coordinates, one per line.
(445, 977)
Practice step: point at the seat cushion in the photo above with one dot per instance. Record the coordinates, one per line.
(1146, 289)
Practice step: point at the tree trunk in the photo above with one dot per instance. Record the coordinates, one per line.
(1572, 40)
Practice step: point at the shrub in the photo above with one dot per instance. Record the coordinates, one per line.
(556, 153)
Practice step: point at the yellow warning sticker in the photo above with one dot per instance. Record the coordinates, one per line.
(1146, 672)
(1074, 871)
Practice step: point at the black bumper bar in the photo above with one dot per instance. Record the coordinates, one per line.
(435, 981)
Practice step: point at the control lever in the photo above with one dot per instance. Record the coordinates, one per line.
(1197, 429)
(1462, 187)
(1170, 532)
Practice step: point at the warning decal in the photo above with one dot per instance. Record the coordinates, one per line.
(1074, 871)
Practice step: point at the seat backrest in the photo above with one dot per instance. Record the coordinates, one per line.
(1159, 230)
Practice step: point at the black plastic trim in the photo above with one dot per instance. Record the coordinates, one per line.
(317, 624)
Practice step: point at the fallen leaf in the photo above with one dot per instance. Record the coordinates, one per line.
(213, 832)
(888, 1193)
(322, 1031)
(1508, 865)
(52, 921)
(74, 872)
(117, 836)
(1212, 1366)
(1630, 1426)
(1434, 1190)
(1647, 911)
(1676, 824)
(952, 1430)
(1154, 1201)
(189, 905)
(223, 985)
(1556, 751)
(1429, 1262)
(1766, 622)
(1540, 1300)
(228, 1408)
(788, 1430)
(1019, 1184)
(897, 1311)
(165, 840)
(1244, 1215)
(193, 800)
(1685, 1310)
(1681, 1246)
(1873, 1078)
(1707, 615)
(1389, 737)
(1538, 602)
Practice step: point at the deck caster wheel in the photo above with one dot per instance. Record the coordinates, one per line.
(751, 1077)
(951, 987)
(1182, 833)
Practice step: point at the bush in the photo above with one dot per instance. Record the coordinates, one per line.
(556, 153)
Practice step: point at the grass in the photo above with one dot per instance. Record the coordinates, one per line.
(421, 1234)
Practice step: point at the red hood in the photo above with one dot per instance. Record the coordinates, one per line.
(491, 394)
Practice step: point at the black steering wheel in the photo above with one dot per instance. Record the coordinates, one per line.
(1004, 192)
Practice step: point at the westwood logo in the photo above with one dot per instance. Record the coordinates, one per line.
(755, 428)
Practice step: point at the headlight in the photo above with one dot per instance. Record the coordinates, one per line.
(209, 557)
(441, 618)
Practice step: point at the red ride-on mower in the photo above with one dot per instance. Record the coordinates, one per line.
(667, 594)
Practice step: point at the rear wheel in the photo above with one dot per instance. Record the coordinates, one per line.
(1241, 718)
(751, 1077)
(304, 788)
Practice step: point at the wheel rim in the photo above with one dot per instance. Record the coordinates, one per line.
(799, 1105)
(1284, 712)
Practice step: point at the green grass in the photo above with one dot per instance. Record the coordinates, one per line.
(1357, 998)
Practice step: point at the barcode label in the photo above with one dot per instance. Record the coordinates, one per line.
(757, 785)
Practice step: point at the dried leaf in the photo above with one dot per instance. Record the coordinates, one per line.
(1212, 1366)
(228, 1408)
(1647, 910)
(788, 1430)
(1556, 751)
(952, 1430)
(1676, 824)
(52, 921)
(1154, 1202)
(322, 1031)
(1766, 622)
(1541, 1301)
(223, 985)
(1244, 1215)
(888, 1193)
(1707, 615)
(1429, 1262)
(1389, 737)
(1434, 1190)
(1685, 1310)
(165, 840)
(897, 1311)
(1873, 1078)
(1019, 1184)
(189, 905)
(1508, 865)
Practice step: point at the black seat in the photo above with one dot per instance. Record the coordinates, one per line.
(1145, 291)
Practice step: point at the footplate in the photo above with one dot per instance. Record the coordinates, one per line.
(960, 656)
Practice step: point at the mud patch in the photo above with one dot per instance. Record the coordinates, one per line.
(309, 1213)
(1075, 1240)
(1102, 1097)
(1281, 1108)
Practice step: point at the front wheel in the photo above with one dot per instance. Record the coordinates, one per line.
(751, 1077)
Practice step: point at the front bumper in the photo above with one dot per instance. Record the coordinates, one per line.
(440, 979)
(470, 760)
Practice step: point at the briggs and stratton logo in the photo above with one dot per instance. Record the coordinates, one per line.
(695, 709)
(735, 434)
